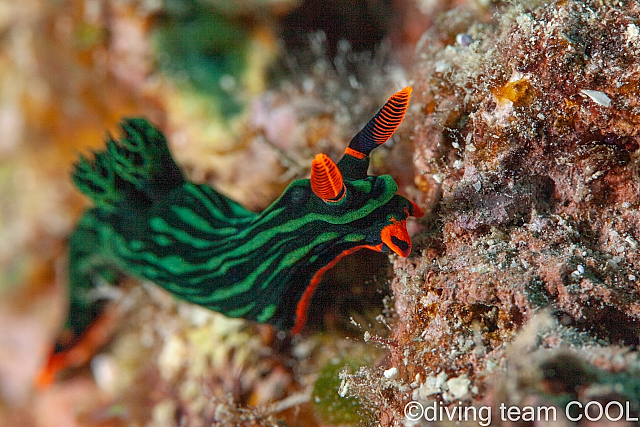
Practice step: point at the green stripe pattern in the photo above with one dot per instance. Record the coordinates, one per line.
(151, 223)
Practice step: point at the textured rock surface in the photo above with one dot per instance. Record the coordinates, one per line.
(526, 133)
(69, 71)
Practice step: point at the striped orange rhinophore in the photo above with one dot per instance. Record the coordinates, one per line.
(382, 125)
(326, 179)
(390, 116)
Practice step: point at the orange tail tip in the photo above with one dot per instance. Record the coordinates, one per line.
(47, 374)
(80, 353)
(326, 179)
(58, 362)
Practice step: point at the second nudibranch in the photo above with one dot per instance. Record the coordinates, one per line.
(151, 223)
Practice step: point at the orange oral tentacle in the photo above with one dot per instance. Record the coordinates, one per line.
(396, 237)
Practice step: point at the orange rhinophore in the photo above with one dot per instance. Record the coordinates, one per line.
(383, 124)
(391, 116)
(326, 179)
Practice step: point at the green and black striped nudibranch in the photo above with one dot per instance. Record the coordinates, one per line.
(150, 222)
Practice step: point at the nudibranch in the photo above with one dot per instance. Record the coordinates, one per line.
(151, 223)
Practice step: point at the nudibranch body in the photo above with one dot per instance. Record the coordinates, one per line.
(151, 223)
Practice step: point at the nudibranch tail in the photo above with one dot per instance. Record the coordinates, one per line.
(381, 126)
(326, 179)
(82, 349)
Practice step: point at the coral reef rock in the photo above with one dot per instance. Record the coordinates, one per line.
(526, 133)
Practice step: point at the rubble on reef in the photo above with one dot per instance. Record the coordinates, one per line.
(526, 133)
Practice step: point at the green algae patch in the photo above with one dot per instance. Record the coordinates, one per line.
(205, 52)
(332, 408)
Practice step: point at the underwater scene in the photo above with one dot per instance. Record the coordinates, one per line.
(306, 213)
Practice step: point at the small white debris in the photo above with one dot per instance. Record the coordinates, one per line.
(431, 385)
(580, 269)
(631, 241)
(598, 97)
(458, 387)
(477, 185)
(391, 373)
(416, 382)
(344, 388)
(199, 316)
(464, 40)
(632, 278)
(632, 34)
(308, 85)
